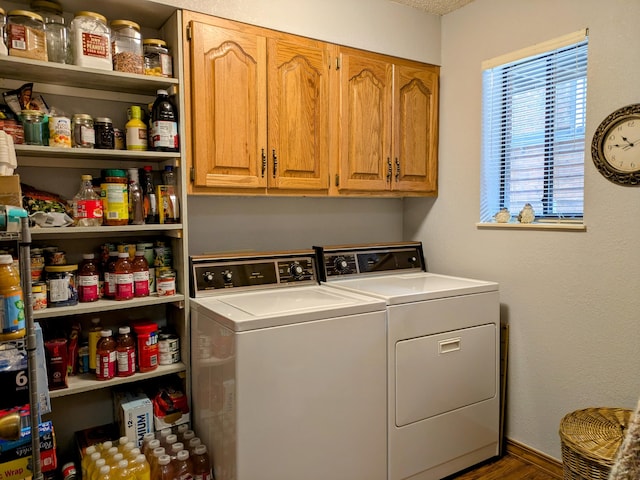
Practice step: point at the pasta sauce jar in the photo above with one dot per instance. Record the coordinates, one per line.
(115, 199)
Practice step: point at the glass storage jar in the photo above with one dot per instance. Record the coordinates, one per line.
(157, 60)
(104, 133)
(83, 132)
(56, 31)
(91, 41)
(33, 124)
(3, 23)
(25, 35)
(126, 47)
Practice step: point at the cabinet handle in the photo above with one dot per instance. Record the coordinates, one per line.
(264, 163)
(275, 163)
(397, 170)
(389, 169)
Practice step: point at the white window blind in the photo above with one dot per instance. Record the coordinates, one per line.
(533, 127)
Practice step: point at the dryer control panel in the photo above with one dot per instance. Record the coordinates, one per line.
(341, 261)
(214, 273)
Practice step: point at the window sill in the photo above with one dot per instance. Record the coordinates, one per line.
(573, 226)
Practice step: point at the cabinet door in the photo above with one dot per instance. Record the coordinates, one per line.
(228, 107)
(415, 128)
(365, 122)
(298, 114)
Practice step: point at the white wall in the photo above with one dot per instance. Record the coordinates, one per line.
(572, 299)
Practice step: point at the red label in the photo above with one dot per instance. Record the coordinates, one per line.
(88, 290)
(89, 209)
(126, 362)
(95, 45)
(106, 365)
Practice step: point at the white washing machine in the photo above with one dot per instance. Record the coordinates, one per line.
(288, 376)
(443, 356)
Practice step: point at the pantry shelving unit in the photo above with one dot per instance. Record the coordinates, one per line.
(87, 402)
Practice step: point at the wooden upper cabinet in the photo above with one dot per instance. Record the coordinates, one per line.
(228, 107)
(298, 114)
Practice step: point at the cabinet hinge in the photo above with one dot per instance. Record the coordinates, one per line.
(192, 174)
(337, 180)
(337, 63)
(189, 32)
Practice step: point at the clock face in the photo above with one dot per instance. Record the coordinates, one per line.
(615, 148)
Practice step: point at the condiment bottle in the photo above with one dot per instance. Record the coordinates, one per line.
(136, 202)
(150, 198)
(136, 130)
(110, 275)
(164, 124)
(114, 194)
(88, 279)
(201, 464)
(106, 356)
(124, 277)
(94, 336)
(140, 275)
(87, 205)
(12, 314)
(126, 353)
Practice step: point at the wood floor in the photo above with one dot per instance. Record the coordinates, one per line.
(508, 467)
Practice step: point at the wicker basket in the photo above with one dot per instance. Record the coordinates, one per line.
(590, 439)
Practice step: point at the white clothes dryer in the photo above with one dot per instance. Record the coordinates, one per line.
(443, 356)
(288, 376)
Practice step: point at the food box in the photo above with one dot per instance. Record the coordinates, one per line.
(134, 415)
(10, 191)
(15, 455)
(170, 408)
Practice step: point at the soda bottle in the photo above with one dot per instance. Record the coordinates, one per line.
(106, 361)
(94, 336)
(165, 470)
(140, 468)
(126, 358)
(87, 205)
(164, 124)
(201, 464)
(110, 275)
(183, 466)
(140, 269)
(149, 197)
(124, 277)
(136, 202)
(11, 301)
(88, 279)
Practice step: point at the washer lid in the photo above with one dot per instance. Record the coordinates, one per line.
(275, 307)
(414, 287)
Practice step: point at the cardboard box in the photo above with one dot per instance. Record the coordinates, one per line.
(133, 414)
(10, 191)
(95, 435)
(15, 455)
(170, 408)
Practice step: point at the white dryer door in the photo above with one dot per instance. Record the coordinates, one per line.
(440, 373)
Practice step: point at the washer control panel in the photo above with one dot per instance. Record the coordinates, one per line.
(343, 261)
(210, 274)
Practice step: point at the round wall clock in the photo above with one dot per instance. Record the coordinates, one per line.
(615, 148)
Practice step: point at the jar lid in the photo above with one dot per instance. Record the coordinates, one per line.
(114, 172)
(154, 41)
(102, 120)
(82, 116)
(47, 4)
(61, 268)
(95, 15)
(32, 113)
(125, 23)
(26, 13)
(145, 327)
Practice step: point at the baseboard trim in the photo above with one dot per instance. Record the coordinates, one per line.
(540, 460)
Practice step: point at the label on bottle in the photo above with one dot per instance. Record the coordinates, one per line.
(165, 134)
(88, 290)
(88, 209)
(59, 290)
(141, 283)
(116, 205)
(12, 312)
(106, 365)
(203, 476)
(124, 285)
(137, 138)
(126, 360)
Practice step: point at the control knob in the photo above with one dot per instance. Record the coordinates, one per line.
(227, 276)
(341, 265)
(208, 277)
(296, 270)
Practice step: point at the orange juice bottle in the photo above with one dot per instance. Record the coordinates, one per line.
(12, 314)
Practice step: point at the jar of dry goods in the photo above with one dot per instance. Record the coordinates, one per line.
(56, 31)
(157, 60)
(126, 46)
(84, 135)
(25, 35)
(3, 24)
(91, 41)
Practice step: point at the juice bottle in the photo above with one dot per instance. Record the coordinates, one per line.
(124, 277)
(126, 360)
(106, 358)
(148, 448)
(140, 269)
(93, 472)
(183, 468)
(88, 279)
(12, 312)
(170, 440)
(165, 470)
(141, 468)
(121, 471)
(132, 454)
(174, 449)
(86, 459)
(194, 443)
(110, 275)
(164, 124)
(201, 464)
(180, 431)
(94, 336)
(105, 473)
(155, 456)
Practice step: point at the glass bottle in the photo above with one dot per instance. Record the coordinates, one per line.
(25, 35)
(168, 205)
(87, 205)
(136, 130)
(56, 32)
(94, 336)
(157, 60)
(125, 353)
(150, 199)
(140, 269)
(124, 277)
(106, 356)
(88, 279)
(12, 312)
(136, 201)
(164, 126)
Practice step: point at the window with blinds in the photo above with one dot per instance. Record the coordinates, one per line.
(533, 128)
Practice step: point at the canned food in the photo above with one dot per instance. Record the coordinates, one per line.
(60, 132)
(166, 283)
(39, 295)
(61, 285)
(37, 264)
(168, 358)
(168, 343)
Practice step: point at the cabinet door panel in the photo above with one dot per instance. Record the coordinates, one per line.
(228, 107)
(416, 133)
(298, 87)
(365, 130)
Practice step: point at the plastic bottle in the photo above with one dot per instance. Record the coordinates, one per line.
(148, 447)
(136, 130)
(136, 201)
(165, 470)
(155, 455)
(94, 336)
(126, 359)
(12, 312)
(93, 472)
(133, 454)
(168, 441)
(174, 449)
(121, 470)
(140, 468)
(123, 277)
(110, 275)
(183, 468)
(194, 443)
(87, 205)
(114, 460)
(150, 198)
(86, 459)
(164, 126)
(168, 205)
(125, 445)
(201, 464)
(140, 269)
(106, 357)
(88, 279)
(180, 431)
(188, 435)
(105, 473)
